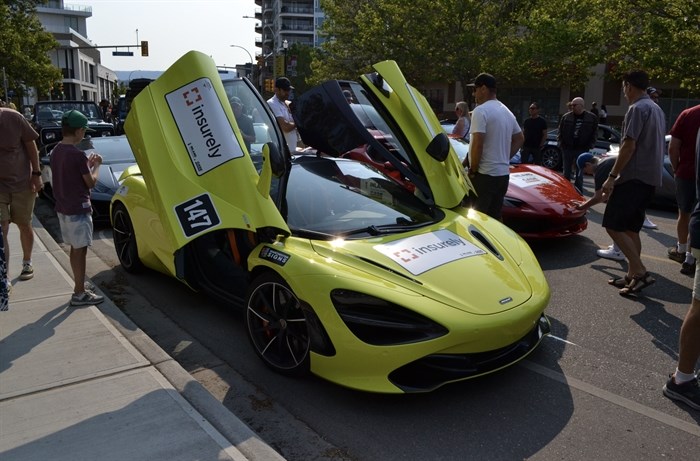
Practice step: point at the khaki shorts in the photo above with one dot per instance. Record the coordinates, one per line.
(17, 207)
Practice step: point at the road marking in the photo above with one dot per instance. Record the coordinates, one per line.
(560, 339)
(613, 398)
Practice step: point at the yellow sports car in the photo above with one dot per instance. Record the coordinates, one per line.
(342, 270)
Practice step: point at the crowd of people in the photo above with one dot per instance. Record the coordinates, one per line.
(625, 183)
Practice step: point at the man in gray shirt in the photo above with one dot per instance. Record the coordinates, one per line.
(632, 180)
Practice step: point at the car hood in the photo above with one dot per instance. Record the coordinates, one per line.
(109, 173)
(393, 119)
(536, 184)
(183, 134)
(435, 262)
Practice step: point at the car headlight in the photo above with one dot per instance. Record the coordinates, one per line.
(380, 322)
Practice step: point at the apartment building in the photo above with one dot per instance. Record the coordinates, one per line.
(281, 24)
(84, 77)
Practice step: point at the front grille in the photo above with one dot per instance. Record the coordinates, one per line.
(561, 226)
(432, 371)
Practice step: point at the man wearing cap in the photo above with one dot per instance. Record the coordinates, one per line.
(654, 94)
(578, 130)
(278, 104)
(495, 138)
(20, 180)
(634, 177)
(73, 174)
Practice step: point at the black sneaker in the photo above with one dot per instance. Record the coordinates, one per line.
(688, 392)
(688, 269)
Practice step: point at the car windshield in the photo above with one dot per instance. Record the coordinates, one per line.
(53, 111)
(338, 197)
(113, 149)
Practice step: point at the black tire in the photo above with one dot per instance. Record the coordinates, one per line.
(276, 325)
(125, 239)
(551, 158)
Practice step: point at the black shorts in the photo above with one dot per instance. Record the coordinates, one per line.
(686, 196)
(627, 206)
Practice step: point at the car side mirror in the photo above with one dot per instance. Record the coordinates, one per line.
(439, 147)
(273, 165)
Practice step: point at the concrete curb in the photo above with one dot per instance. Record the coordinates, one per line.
(228, 424)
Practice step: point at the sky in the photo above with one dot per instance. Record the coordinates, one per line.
(172, 28)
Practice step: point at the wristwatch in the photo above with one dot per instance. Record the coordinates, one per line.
(36, 173)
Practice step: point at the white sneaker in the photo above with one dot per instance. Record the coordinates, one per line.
(611, 253)
(648, 224)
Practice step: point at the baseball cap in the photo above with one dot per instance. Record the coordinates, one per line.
(651, 90)
(584, 158)
(75, 119)
(283, 83)
(484, 79)
(235, 100)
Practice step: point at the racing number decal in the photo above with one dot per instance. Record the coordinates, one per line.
(197, 215)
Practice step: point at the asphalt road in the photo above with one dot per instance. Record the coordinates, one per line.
(591, 391)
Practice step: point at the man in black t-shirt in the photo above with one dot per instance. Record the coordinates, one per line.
(535, 131)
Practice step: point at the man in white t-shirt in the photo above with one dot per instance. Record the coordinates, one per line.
(278, 104)
(495, 138)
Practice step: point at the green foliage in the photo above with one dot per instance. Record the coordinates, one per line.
(540, 42)
(25, 48)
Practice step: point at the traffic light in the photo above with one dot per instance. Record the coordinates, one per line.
(144, 47)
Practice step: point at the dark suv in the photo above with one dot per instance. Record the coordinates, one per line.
(47, 119)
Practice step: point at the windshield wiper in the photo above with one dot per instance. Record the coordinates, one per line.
(402, 225)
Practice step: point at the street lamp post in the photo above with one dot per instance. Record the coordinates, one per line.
(285, 47)
(249, 56)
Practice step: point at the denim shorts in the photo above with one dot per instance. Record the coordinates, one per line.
(76, 229)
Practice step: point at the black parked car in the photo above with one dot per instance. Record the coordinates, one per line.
(47, 119)
(551, 153)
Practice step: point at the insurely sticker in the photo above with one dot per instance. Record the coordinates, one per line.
(197, 215)
(206, 132)
(528, 179)
(274, 256)
(421, 253)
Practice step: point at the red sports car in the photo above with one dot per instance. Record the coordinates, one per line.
(539, 203)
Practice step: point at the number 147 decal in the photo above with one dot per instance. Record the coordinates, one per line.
(197, 215)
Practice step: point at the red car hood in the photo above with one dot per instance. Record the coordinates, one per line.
(537, 185)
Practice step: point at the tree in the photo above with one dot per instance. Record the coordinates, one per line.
(25, 46)
(661, 37)
(542, 43)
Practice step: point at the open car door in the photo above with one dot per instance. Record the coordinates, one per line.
(192, 156)
(388, 123)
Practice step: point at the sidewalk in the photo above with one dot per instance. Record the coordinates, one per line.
(84, 383)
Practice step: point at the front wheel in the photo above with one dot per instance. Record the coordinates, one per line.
(125, 239)
(551, 158)
(277, 326)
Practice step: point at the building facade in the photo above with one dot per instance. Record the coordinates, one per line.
(283, 23)
(84, 77)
